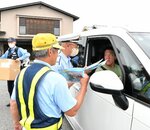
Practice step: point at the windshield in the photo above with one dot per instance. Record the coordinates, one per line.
(143, 40)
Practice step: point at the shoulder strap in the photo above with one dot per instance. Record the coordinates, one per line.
(36, 78)
(23, 110)
(103, 68)
(16, 50)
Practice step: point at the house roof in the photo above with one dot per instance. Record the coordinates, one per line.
(39, 3)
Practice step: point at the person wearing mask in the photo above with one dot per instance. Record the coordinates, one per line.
(38, 100)
(110, 57)
(17, 54)
(64, 58)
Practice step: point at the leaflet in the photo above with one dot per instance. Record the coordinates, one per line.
(94, 66)
(74, 74)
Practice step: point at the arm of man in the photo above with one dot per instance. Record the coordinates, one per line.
(15, 115)
(23, 54)
(80, 96)
(14, 110)
(5, 55)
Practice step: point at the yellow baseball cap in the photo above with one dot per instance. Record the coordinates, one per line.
(42, 41)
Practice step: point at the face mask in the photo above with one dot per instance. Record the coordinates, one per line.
(74, 52)
(11, 45)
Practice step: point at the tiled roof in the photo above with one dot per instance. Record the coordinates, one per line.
(40, 3)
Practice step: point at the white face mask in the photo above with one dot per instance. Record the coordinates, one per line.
(11, 45)
(74, 52)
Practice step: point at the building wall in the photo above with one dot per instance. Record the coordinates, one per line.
(9, 19)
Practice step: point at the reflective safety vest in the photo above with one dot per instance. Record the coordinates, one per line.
(145, 88)
(32, 117)
(13, 55)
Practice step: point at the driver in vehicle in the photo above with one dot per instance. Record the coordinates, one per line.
(110, 57)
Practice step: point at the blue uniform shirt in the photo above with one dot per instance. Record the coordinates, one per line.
(63, 62)
(53, 96)
(22, 53)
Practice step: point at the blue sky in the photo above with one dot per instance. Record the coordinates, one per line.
(124, 13)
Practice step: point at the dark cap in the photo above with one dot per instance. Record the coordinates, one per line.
(11, 39)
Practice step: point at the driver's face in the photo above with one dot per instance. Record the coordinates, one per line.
(110, 57)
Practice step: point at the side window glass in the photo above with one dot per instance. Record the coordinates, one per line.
(135, 72)
(96, 51)
(95, 47)
(78, 60)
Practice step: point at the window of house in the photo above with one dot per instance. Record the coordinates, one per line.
(32, 26)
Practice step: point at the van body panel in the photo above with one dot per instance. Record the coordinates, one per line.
(141, 117)
(102, 110)
(99, 111)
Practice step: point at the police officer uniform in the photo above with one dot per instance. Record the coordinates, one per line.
(14, 53)
(63, 62)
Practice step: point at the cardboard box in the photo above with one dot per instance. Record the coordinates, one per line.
(9, 69)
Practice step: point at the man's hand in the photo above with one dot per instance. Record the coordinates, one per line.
(15, 115)
(17, 126)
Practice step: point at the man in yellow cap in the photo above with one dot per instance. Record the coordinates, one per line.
(41, 96)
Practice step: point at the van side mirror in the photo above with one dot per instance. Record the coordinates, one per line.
(108, 82)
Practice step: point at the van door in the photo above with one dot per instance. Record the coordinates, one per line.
(141, 117)
(99, 111)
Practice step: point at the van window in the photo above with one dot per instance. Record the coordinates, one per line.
(79, 60)
(96, 47)
(137, 80)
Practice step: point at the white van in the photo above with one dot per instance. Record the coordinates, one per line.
(112, 104)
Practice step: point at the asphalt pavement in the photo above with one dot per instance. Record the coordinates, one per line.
(5, 117)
